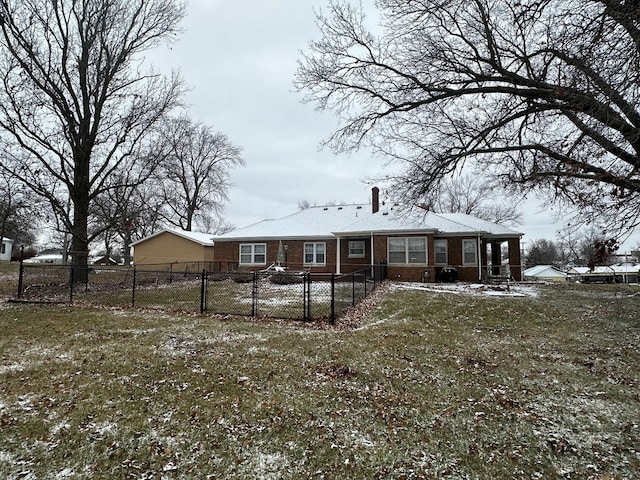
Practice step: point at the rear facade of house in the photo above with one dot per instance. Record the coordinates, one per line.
(421, 246)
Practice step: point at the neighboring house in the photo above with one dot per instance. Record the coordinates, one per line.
(544, 273)
(104, 260)
(52, 258)
(174, 246)
(632, 257)
(5, 249)
(347, 238)
(618, 273)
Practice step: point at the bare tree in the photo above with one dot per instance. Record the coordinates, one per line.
(542, 95)
(73, 101)
(21, 211)
(131, 213)
(195, 175)
(467, 194)
(304, 204)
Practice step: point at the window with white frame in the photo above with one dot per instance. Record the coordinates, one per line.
(440, 249)
(407, 250)
(469, 252)
(356, 248)
(253, 254)
(315, 253)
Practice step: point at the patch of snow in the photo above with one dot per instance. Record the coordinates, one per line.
(511, 290)
(16, 367)
(6, 457)
(268, 465)
(65, 473)
(57, 428)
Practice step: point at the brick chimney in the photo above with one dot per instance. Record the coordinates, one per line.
(375, 199)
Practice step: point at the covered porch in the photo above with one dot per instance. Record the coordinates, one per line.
(501, 259)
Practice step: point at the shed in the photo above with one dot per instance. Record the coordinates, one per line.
(171, 246)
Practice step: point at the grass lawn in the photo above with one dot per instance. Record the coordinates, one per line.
(431, 385)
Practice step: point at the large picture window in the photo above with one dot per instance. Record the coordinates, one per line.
(315, 253)
(408, 250)
(441, 253)
(469, 252)
(253, 254)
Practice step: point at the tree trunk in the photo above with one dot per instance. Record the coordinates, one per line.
(80, 230)
(126, 250)
(79, 249)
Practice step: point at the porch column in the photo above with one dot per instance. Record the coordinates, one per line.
(496, 257)
(515, 262)
(480, 255)
(338, 255)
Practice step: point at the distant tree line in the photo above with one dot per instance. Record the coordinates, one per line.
(587, 248)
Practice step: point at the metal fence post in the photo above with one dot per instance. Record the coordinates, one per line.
(307, 293)
(254, 295)
(203, 292)
(21, 274)
(72, 281)
(333, 299)
(374, 270)
(364, 280)
(133, 289)
(304, 297)
(353, 289)
(309, 297)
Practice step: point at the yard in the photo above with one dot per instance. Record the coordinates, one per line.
(455, 383)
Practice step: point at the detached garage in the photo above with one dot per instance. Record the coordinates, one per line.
(544, 273)
(193, 250)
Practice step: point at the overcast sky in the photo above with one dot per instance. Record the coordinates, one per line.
(239, 60)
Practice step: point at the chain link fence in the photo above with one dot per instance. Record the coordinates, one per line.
(286, 295)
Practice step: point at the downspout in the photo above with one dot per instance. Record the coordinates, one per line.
(372, 258)
(338, 266)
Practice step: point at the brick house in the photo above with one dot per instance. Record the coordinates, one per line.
(347, 238)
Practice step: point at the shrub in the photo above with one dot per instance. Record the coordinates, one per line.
(218, 277)
(242, 277)
(284, 278)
